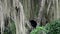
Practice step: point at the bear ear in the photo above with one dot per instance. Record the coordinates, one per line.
(33, 23)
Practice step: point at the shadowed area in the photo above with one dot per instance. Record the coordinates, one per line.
(33, 23)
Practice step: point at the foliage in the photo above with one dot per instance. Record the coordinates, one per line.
(53, 27)
(38, 30)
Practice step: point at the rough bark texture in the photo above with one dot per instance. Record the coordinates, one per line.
(21, 11)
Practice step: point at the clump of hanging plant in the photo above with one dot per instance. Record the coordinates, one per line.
(53, 27)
